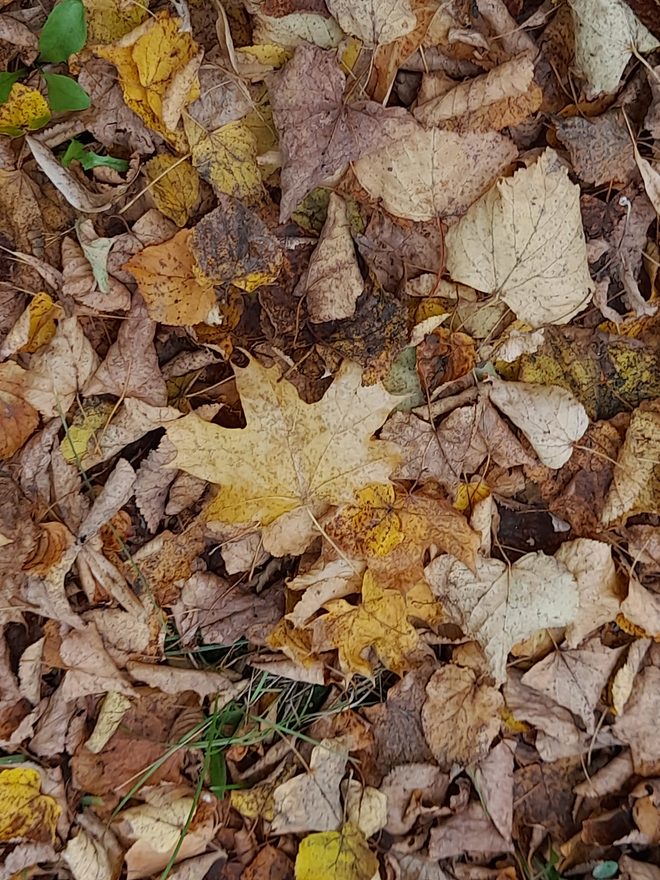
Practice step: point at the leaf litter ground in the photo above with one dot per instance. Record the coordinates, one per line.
(330, 430)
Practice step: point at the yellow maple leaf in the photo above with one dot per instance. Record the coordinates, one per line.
(174, 186)
(292, 456)
(392, 530)
(171, 284)
(157, 65)
(227, 159)
(24, 110)
(108, 20)
(336, 855)
(25, 813)
(380, 622)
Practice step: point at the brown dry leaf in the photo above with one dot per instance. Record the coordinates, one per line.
(154, 478)
(131, 368)
(423, 174)
(642, 608)
(94, 853)
(333, 281)
(636, 484)
(175, 680)
(501, 605)
(375, 22)
(166, 562)
(312, 802)
(599, 587)
(470, 831)
(379, 624)
(460, 717)
(323, 582)
(60, 370)
(79, 283)
(575, 678)
(223, 614)
(503, 97)
(157, 64)
(638, 725)
(174, 186)
(18, 419)
(524, 242)
(173, 288)
(413, 790)
(232, 244)
(600, 149)
(493, 780)
(550, 417)
(394, 530)
(319, 134)
(90, 668)
(292, 456)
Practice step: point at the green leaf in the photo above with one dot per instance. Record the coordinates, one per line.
(64, 93)
(7, 80)
(89, 159)
(65, 31)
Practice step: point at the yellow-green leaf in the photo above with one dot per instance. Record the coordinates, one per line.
(336, 855)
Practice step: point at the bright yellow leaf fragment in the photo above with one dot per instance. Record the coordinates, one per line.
(227, 159)
(24, 110)
(157, 66)
(43, 311)
(25, 813)
(336, 855)
(174, 186)
(374, 517)
(109, 20)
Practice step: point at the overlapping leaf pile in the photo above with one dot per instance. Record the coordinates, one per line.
(330, 440)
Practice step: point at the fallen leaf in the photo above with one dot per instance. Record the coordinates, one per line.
(24, 110)
(379, 623)
(322, 583)
(493, 780)
(174, 186)
(365, 806)
(227, 159)
(311, 801)
(460, 716)
(413, 790)
(233, 245)
(336, 855)
(173, 288)
(470, 831)
(333, 281)
(637, 726)
(149, 60)
(375, 23)
(113, 708)
(550, 417)
(510, 244)
(90, 669)
(107, 21)
(152, 486)
(599, 149)
(423, 174)
(503, 97)
(94, 853)
(18, 418)
(319, 133)
(174, 680)
(575, 678)
(501, 605)
(25, 813)
(635, 486)
(605, 31)
(291, 455)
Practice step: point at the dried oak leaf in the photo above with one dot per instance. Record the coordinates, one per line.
(423, 174)
(157, 65)
(393, 531)
(460, 717)
(232, 244)
(381, 622)
(503, 97)
(501, 605)
(319, 133)
(174, 289)
(291, 456)
(524, 242)
(636, 484)
(375, 22)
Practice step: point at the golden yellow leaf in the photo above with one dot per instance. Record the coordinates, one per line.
(227, 159)
(43, 312)
(336, 855)
(393, 530)
(108, 20)
(171, 284)
(174, 186)
(153, 61)
(25, 813)
(380, 622)
(255, 803)
(24, 110)
(85, 426)
(291, 456)
(469, 494)
(18, 419)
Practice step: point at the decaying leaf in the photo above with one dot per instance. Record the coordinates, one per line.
(25, 813)
(292, 455)
(501, 605)
(24, 110)
(524, 242)
(424, 174)
(227, 159)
